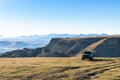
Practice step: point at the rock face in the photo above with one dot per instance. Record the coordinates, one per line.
(67, 47)
(109, 48)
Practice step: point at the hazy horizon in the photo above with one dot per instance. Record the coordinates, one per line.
(42, 17)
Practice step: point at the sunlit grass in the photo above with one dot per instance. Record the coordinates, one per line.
(58, 68)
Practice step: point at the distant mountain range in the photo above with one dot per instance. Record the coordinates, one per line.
(35, 41)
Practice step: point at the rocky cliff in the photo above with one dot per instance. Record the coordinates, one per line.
(67, 47)
(109, 48)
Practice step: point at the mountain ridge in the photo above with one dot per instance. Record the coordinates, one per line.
(69, 47)
(34, 41)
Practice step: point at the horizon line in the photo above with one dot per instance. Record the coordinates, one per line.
(55, 33)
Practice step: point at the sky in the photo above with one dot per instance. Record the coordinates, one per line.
(41, 17)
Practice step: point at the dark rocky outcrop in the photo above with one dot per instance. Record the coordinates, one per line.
(67, 47)
(109, 48)
(23, 53)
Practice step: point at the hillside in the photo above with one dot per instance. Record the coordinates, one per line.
(34, 41)
(58, 47)
(67, 47)
(94, 45)
(59, 69)
(110, 48)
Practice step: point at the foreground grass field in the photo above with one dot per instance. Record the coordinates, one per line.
(59, 69)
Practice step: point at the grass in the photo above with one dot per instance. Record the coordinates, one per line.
(92, 46)
(59, 69)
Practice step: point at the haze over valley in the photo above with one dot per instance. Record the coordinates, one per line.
(34, 41)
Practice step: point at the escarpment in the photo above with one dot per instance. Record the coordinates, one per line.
(68, 47)
(109, 48)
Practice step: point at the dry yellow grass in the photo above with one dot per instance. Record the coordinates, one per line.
(91, 47)
(59, 69)
(70, 39)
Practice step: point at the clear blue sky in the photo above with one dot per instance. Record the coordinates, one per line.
(29, 17)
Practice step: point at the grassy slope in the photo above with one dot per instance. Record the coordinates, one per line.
(59, 69)
(92, 46)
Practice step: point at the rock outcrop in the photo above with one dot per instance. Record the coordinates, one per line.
(109, 48)
(67, 47)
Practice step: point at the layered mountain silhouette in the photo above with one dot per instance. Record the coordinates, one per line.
(108, 46)
(34, 41)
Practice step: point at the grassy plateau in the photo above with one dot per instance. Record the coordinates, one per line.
(59, 69)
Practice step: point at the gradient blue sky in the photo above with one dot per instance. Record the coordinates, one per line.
(30, 17)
